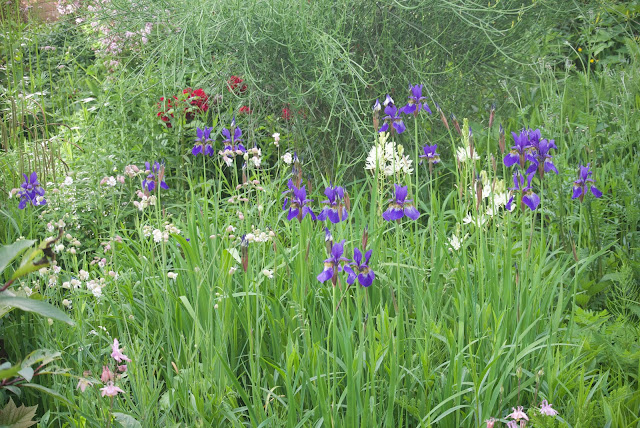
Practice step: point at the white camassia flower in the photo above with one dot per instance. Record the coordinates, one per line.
(477, 220)
(389, 157)
(463, 154)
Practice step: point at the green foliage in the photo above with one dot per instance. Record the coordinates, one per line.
(529, 305)
(17, 417)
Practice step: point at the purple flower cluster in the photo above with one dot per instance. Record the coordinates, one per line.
(233, 138)
(335, 210)
(530, 146)
(528, 198)
(580, 185)
(155, 177)
(357, 269)
(31, 191)
(400, 206)
(415, 103)
(360, 269)
(430, 154)
(297, 203)
(203, 143)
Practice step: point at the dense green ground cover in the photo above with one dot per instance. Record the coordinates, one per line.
(213, 293)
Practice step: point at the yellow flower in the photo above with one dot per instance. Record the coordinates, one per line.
(579, 49)
(591, 61)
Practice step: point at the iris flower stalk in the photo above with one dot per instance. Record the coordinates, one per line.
(416, 101)
(298, 204)
(583, 181)
(361, 269)
(519, 150)
(203, 142)
(31, 191)
(392, 117)
(334, 264)
(400, 206)
(527, 196)
(233, 138)
(335, 209)
(541, 160)
(155, 176)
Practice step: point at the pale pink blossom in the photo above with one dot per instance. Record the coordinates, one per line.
(110, 390)
(83, 384)
(106, 375)
(117, 352)
(518, 414)
(545, 409)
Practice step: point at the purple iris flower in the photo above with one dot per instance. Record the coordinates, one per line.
(416, 101)
(233, 140)
(529, 198)
(362, 270)
(333, 264)
(540, 158)
(203, 142)
(298, 206)
(580, 185)
(519, 150)
(377, 107)
(31, 191)
(335, 211)
(157, 176)
(430, 154)
(393, 117)
(400, 206)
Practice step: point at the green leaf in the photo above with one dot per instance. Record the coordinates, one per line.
(10, 252)
(17, 417)
(17, 391)
(31, 262)
(7, 371)
(49, 391)
(27, 373)
(127, 421)
(42, 356)
(31, 305)
(38, 257)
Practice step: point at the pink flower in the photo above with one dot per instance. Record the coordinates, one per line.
(518, 414)
(106, 375)
(122, 368)
(110, 390)
(545, 409)
(83, 383)
(117, 352)
(490, 422)
(512, 424)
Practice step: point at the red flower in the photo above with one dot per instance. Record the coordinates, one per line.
(196, 98)
(165, 110)
(286, 113)
(245, 110)
(234, 84)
